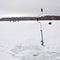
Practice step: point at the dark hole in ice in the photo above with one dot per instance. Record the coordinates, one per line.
(50, 23)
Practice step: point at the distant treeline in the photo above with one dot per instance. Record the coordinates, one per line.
(30, 18)
(49, 18)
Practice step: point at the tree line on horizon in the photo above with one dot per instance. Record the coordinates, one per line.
(30, 18)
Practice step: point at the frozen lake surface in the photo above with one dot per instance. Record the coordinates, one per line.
(22, 41)
(35, 53)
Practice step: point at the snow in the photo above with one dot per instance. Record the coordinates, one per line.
(22, 41)
(37, 53)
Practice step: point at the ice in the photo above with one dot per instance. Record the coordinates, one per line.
(22, 41)
(35, 53)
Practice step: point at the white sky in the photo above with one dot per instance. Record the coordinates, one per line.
(28, 7)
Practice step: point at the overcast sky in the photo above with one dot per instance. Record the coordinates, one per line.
(28, 7)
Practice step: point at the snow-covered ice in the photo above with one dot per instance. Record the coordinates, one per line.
(22, 41)
(35, 53)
